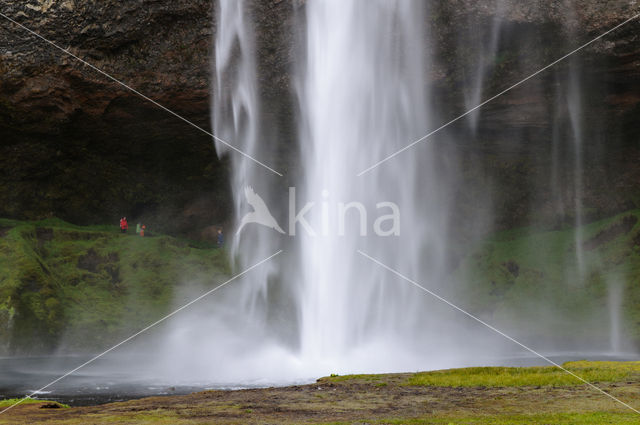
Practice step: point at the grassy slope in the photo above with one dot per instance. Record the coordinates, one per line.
(600, 371)
(529, 376)
(12, 401)
(89, 284)
(471, 396)
(516, 277)
(92, 281)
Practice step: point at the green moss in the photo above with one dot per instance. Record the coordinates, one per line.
(92, 284)
(501, 276)
(11, 401)
(601, 418)
(361, 377)
(530, 376)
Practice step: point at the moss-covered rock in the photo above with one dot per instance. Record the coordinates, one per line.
(68, 287)
(566, 287)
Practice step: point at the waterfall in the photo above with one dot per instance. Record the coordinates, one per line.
(567, 169)
(614, 304)
(322, 307)
(361, 85)
(574, 105)
(236, 117)
(484, 51)
(237, 336)
(362, 97)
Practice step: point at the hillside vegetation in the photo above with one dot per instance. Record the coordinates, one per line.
(84, 287)
(89, 285)
(568, 287)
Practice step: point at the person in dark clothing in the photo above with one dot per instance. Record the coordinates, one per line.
(220, 238)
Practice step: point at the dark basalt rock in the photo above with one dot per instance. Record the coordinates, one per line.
(51, 405)
(75, 145)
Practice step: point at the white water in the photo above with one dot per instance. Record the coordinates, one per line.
(614, 304)
(484, 53)
(229, 337)
(363, 96)
(321, 307)
(574, 105)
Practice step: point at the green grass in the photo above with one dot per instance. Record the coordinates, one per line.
(591, 371)
(136, 279)
(485, 396)
(529, 281)
(591, 418)
(11, 401)
(530, 376)
(92, 284)
(362, 377)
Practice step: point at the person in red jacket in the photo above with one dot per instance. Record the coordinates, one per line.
(124, 226)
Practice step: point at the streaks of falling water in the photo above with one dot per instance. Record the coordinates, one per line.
(362, 95)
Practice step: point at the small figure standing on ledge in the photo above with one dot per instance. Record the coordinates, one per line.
(220, 238)
(124, 226)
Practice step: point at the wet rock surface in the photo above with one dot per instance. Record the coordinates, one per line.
(77, 145)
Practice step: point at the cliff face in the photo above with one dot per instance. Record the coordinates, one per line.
(525, 144)
(78, 146)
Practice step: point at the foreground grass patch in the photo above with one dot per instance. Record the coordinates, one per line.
(386, 399)
(600, 418)
(530, 376)
(11, 401)
(361, 377)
